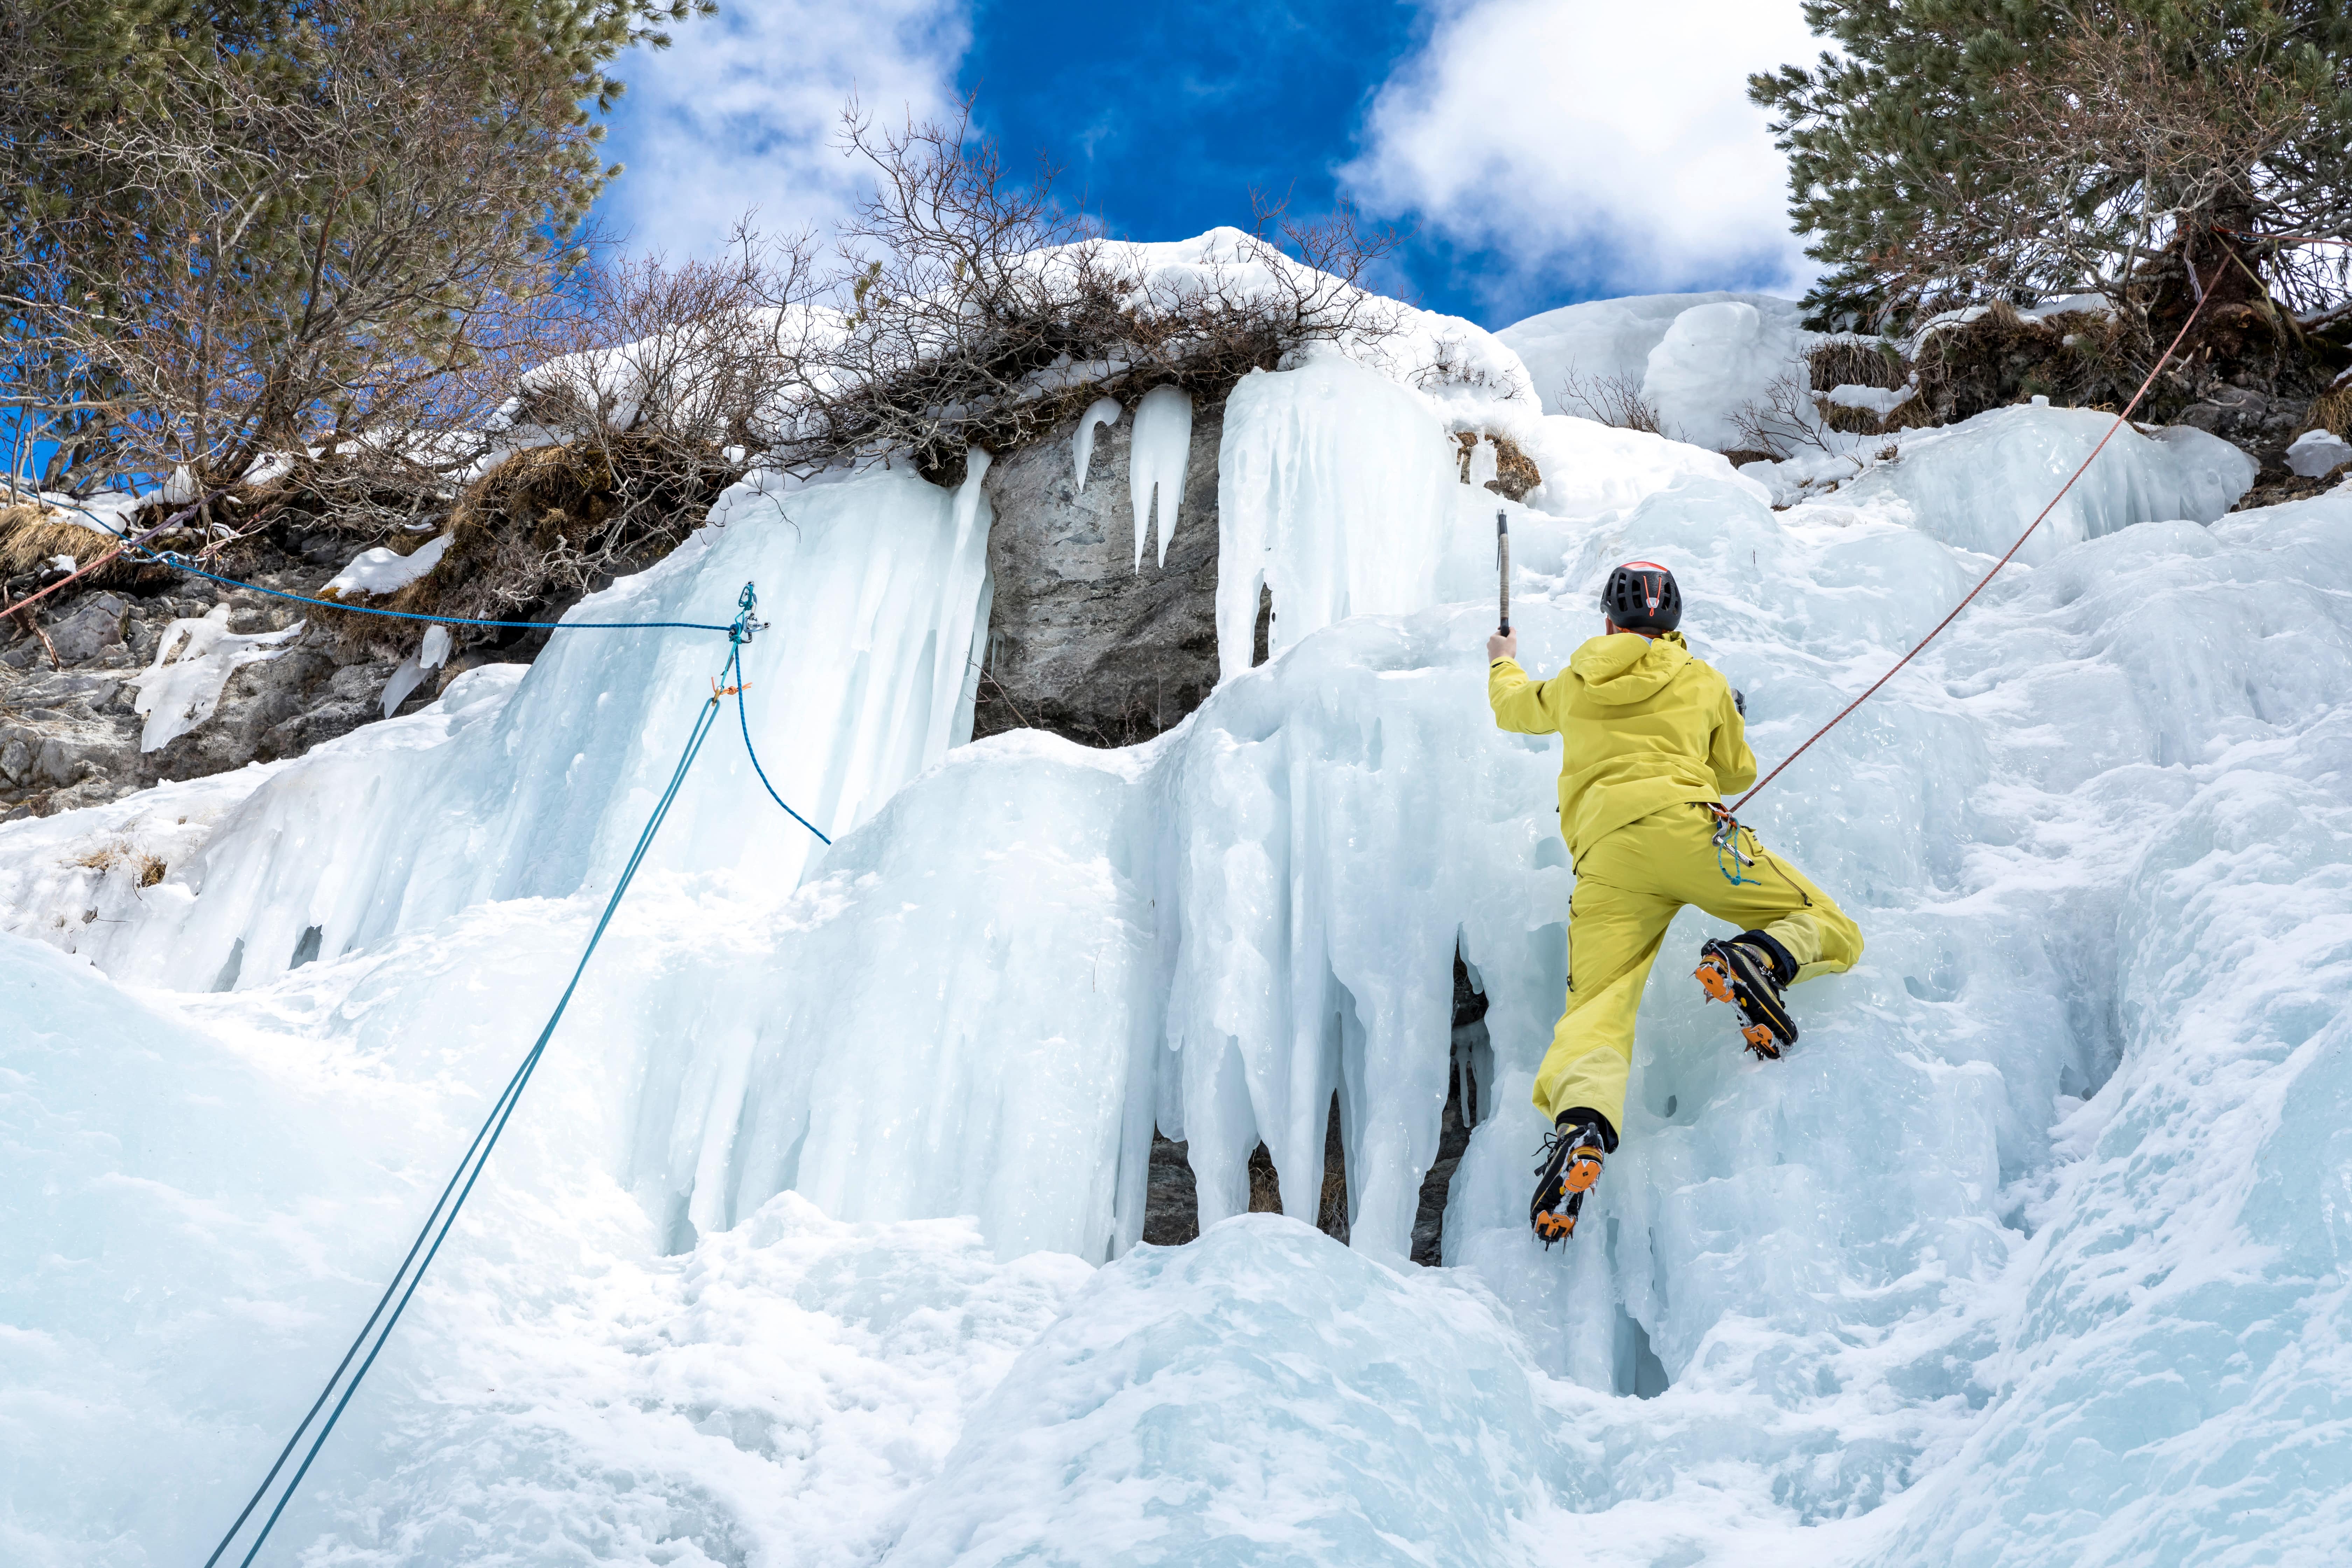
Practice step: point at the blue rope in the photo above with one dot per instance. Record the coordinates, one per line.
(477, 1156)
(735, 663)
(179, 562)
(738, 634)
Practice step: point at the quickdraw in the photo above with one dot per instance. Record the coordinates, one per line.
(1729, 857)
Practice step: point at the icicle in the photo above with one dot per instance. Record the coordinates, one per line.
(976, 460)
(405, 679)
(1101, 411)
(1162, 448)
(435, 652)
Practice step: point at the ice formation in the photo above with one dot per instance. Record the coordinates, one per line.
(1339, 493)
(815, 1242)
(192, 663)
(1101, 411)
(1162, 445)
(2317, 453)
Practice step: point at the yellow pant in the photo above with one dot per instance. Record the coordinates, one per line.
(1629, 886)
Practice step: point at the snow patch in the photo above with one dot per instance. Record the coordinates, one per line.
(379, 572)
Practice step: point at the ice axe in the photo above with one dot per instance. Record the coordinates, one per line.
(1503, 564)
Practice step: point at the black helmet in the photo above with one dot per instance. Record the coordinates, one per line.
(1641, 597)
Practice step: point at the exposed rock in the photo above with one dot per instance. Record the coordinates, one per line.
(69, 731)
(2251, 417)
(1171, 1204)
(1172, 1208)
(1462, 1113)
(1080, 642)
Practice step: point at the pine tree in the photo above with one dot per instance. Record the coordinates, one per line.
(1962, 151)
(232, 226)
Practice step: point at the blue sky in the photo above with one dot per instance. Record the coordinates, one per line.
(1542, 152)
(1164, 118)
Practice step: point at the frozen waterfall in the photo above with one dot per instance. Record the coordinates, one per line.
(816, 1239)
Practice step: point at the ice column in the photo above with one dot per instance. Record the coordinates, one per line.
(1101, 411)
(1163, 446)
(874, 588)
(970, 564)
(1341, 491)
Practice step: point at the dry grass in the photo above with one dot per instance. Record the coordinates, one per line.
(2079, 360)
(549, 524)
(2331, 412)
(31, 535)
(119, 853)
(1854, 362)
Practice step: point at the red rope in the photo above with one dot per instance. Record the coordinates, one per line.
(2166, 358)
(170, 522)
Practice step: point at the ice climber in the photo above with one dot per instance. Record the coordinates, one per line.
(1652, 741)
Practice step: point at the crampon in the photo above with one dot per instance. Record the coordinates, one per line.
(1571, 1164)
(1740, 972)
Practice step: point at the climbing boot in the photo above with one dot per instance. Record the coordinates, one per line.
(1750, 972)
(1570, 1163)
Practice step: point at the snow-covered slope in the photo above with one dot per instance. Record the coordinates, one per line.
(1696, 359)
(814, 1241)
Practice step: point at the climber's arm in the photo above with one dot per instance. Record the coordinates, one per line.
(1733, 764)
(1517, 701)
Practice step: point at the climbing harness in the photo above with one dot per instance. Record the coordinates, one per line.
(2162, 360)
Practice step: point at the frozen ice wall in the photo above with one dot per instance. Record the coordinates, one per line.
(2032, 1245)
(1338, 491)
(875, 590)
(1979, 483)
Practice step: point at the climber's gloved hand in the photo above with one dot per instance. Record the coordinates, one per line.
(1503, 646)
(1739, 700)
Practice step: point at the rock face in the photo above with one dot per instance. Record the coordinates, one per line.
(69, 735)
(1080, 642)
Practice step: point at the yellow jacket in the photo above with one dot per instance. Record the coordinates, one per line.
(1642, 726)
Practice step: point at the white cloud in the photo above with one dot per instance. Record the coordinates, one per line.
(743, 110)
(1609, 139)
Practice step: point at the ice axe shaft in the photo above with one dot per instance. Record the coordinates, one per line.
(1503, 564)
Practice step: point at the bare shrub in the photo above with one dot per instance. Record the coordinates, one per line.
(1784, 419)
(1612, 400)
(972, 310)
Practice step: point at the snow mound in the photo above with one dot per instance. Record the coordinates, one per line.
(1696, 358)
(1977, 484)
(1262, 1397)
(381, 571)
